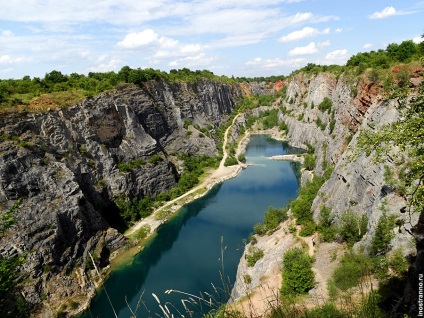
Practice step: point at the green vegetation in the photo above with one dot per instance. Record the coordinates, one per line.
(309, 163)
(298, 277)
(272, 219)
(254, 254)
(325, 105)
(230, 161)
(322, 125)
(131, 165)
(407, 134)
(326, 226)
(11, 305)
(383, 234)
(269, 118)
(351, 269)
(143, 232)
(135, 209)
(352, 227)
(283, 127)
(301, 207)
(7, 219)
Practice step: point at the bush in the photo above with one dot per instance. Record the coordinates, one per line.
(254, 255)
(309, 163)
(301, 207)
(351, 269)
(398, 263)
(298, 277)
(326, 227)
(352, 227)
(308, 228)
(327, 310)
(130, 165)
(283, 127)
(383, 234)
(273, 217)
(155, 159)
(325, 105)
(230, 161)
(260, 229)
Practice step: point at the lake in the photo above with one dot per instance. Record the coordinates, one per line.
(186, 254)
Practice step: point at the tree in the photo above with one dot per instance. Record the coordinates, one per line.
(297, 273)
(406, 50)
(55, 77)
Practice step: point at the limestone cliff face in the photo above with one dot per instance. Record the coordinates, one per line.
(357, 182)
(65, 166)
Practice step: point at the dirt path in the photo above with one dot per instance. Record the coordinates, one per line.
(219, 175)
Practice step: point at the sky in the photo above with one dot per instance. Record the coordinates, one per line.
(228, 37)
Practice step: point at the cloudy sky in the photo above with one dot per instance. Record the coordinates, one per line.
(228, 37)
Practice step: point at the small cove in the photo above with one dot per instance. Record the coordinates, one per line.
(185, 255)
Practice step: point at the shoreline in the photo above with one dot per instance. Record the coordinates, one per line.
(124, 256)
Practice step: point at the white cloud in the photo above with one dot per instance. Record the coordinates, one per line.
(277, 62)
(338, 30)
(324, 44)
(337, 57)
(199, 60)
(144, 38)
(7, 33)
(367, 46)
(311, 48)
(306, 32)
(104, 66)
(417, 39)
(7, 59)
(388, 12)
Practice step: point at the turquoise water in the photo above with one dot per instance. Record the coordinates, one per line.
(186, 254)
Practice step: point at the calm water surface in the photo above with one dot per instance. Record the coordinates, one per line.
(186, 254)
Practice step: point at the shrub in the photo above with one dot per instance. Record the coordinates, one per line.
(130, 165)
(273, 217)
(155, 159)
(398, 263)
(297, 273)
(326, 310)
(350, 270)
(247, 279)
(301, 207)
(309, 163)
(383, 234)
(308, 228)
(326, 227)
(260, 229)
(283, 127)
(242, 157)
(325, 105)
(352, 227)
(254, 255)
(230, 161)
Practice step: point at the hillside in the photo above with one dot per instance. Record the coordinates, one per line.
(75, 176)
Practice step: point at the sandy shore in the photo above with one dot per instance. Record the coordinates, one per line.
(219, 175)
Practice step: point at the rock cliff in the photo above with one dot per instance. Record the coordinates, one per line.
(357, 182)
(64, 166)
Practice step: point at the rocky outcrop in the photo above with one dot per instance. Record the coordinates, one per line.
(65, 166)
(357, 182)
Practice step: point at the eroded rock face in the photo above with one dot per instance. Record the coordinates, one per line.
(65, 166)
(357, 182)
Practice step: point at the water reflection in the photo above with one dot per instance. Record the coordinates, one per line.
(186, 254)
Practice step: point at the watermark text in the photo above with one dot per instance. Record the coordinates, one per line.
(420, 295)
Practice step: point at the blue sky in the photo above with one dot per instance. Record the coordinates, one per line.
(228, 37)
